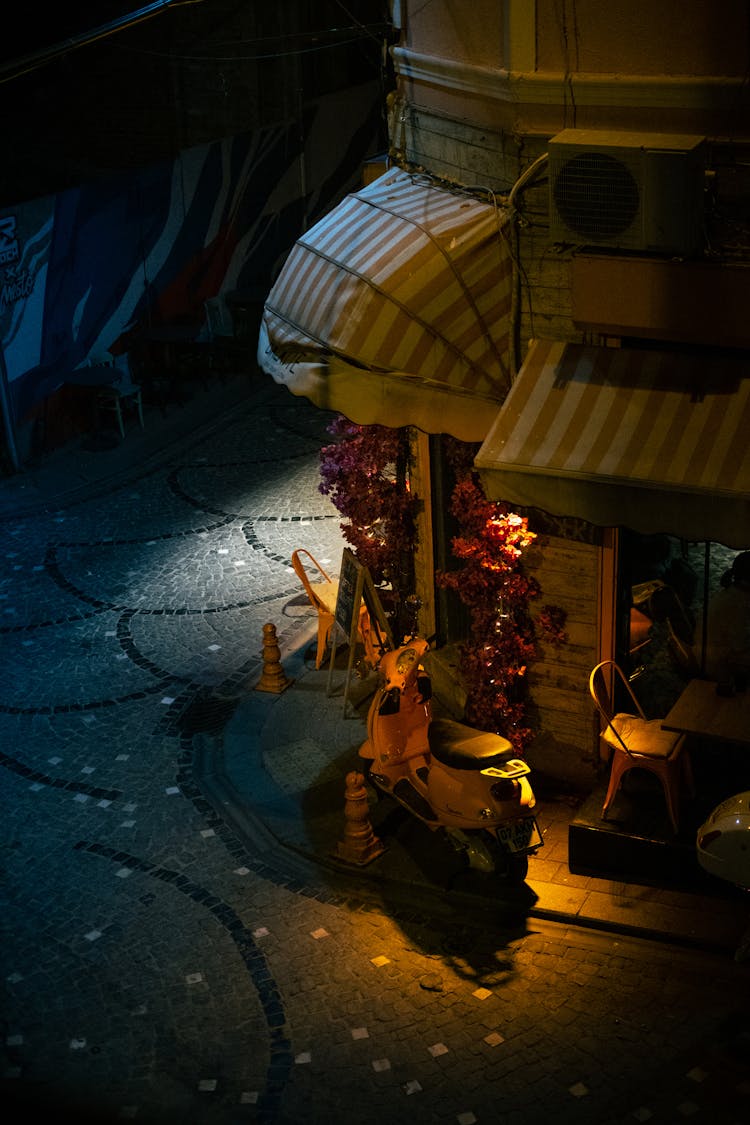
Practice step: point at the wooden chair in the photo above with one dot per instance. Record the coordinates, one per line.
(638, 742)
(225, 348)
(684, 653)
(121, 392)
(323, 592)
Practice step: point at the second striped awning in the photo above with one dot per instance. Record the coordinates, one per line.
(394, 309)
(656, 441)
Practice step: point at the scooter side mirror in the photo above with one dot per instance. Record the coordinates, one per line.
(424, 687)
(390, 704)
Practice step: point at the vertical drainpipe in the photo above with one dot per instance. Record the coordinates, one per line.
(6, 411)
(302, 162)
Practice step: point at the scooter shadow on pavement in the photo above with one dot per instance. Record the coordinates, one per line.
(418, 876)
(290, 756)
(464, 921)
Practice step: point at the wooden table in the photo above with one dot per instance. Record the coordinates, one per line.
(700, 711)
(93, 375)
(169, 342)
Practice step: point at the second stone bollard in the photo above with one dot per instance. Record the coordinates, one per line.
(360, 844)
(273, 678)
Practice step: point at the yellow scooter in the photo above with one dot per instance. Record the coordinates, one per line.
(454, 778)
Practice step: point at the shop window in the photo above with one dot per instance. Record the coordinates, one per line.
(659, 600)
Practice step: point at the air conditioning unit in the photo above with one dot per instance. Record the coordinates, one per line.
(629, 191)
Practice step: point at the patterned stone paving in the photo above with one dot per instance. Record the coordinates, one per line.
(159, 965)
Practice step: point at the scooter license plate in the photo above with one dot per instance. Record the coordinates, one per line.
(520, 835)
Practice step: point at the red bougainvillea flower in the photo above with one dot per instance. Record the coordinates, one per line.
(493, 586)
(365, 474)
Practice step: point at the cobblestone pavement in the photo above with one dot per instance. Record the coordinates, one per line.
(162, 965)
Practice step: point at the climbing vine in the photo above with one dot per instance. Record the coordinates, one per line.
(365, 472)
(492, 584)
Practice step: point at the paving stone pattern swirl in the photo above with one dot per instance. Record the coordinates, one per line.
(160, 964)
(128, 623)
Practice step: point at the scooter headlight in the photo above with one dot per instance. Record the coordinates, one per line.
(406, 660)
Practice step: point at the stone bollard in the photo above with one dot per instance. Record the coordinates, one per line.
(273, 678)
(360, 844)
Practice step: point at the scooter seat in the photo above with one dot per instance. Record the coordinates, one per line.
(466, 748)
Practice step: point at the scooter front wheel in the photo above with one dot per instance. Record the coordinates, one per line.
(367, 765)
(482, 852)
(513, 869)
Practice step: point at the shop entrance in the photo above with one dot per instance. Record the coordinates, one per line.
(663, 585)
(452, 619)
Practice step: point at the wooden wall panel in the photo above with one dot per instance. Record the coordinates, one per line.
(568, 574)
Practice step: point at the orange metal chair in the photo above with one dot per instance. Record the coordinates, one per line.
(323, 592)
(322, 595)
(638, 742)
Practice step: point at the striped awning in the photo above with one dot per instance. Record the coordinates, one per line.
(650, 440)
(394, 309)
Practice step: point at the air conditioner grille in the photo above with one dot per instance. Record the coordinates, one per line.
(596, 196)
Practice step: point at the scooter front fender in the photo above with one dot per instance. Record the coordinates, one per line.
(366, 750)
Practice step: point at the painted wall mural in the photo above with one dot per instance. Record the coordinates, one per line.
(91, 269)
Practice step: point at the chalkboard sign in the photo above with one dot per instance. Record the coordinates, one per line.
(355, 586)
(351, 586)
(378, 620)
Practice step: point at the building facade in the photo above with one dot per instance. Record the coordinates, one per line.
(610, 145)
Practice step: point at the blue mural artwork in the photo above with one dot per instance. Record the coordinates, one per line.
(96, 268)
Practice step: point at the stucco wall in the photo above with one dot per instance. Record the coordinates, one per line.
(668, 37)
(642, 37)
(444, 28)
(535, 68)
